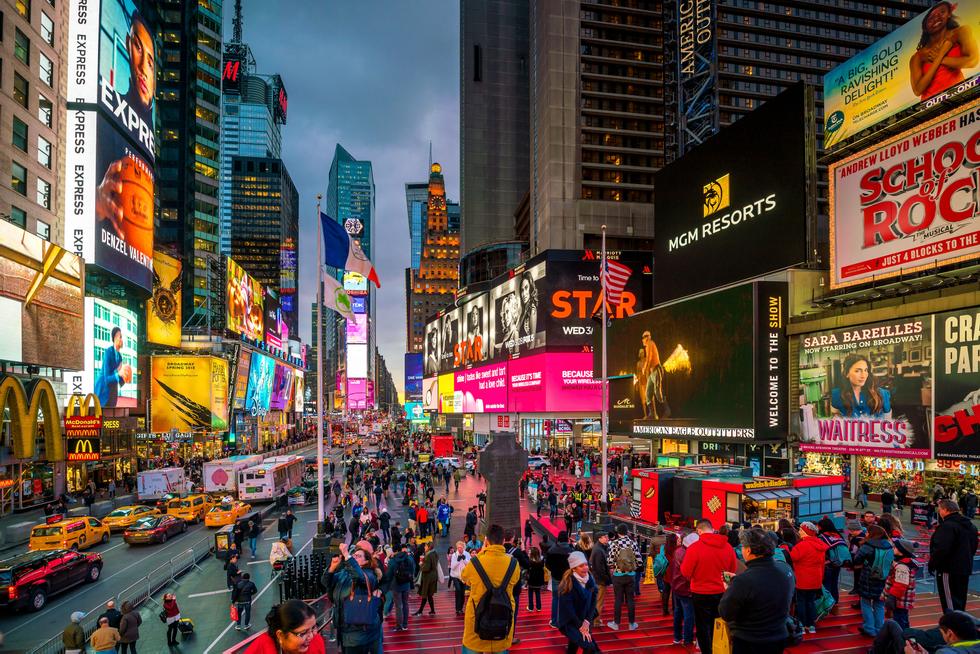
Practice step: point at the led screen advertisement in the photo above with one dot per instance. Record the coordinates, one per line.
(111, 370)
(43, 307)
(473, 346)
(550, 382)
(355, 283)
(357, 394)
(258, 395)
(282, 388)
(897, 72)
(245, 311)
(276, 331)
(358, 304)
(415, 412)
(163, 312)
(517, 321)
(866, 389)
(909, 203)
(448, 401)
(299, 391)
(357, 360)
(430, 393)
(482, 389)
(188, 393)
(449, 338)
(742, 192)
(357, 328)
(413, 375)
(433, 333)
(241, 378)
(957, 385)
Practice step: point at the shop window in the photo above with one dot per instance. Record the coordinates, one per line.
(732, 507)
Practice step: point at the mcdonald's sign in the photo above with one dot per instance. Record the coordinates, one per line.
(83, 428)
(84, 449)
(24, 403)
(88, 405)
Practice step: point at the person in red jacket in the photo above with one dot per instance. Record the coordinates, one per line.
(704, 564)
(809, 557)
(291, 630)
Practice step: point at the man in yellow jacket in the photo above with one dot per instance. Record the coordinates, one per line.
(495, 562)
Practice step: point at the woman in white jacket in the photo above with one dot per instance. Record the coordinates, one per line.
(280, 552)
(458, 559)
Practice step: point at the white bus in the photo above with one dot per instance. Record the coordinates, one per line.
(221, 475)
(271, 478)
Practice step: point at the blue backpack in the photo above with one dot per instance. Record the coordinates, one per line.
(881, 564)
(838, 554)
(660, 563)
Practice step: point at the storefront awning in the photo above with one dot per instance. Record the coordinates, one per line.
(782, 493)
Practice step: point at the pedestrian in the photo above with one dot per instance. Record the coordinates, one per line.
(900, 585)
(129, 628)
(863, 496)
(951, 552)
(395, 535)
(756, 603)
(624, 561)
(172, 617)
(680, 591)
(232, 574)
(429, 581)
(874, 558)
(577, 594)
(459, 558)
(112, 614)
(112, 489)
(280, 553)
(241, 597)
(838, 555)
(291, 520)
(599, 565)
(105, 638)
(283, 526)
(556, 561)
(809, 558)
(704, 564)
(482, 504)
(291, 630)
(887, 501)
(662, 574)
(443, 512)
(490, 570)
(528, 533)
(353, 579)
(422, 517)
(535, 580)
(399, 575)
(524, 564)
(384, 522)
(901, 495)
(254, 529)
(73, 637)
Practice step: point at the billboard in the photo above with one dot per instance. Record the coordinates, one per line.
(482, 389)
(282, 388)
(624, 405)
(357, 394)
(188, 393)
(276, 331)
(430, 393)
(866, 389)
(258, 395)
(554, 381)
(358, 304)
(433, 347)
(109, 219)
(448, 401)
(357, 328)
(449, 338)
(897, 73)
(299, 391)
(744, 190)
(245, 312)
(163, 313)
(110, 343)
(517, 320)
(473, 346)
(413, 375)
(355, 283)
(241, 378)
(957, 385)
(415, 412)
(357, 360)
(907, 204)
(41, 300)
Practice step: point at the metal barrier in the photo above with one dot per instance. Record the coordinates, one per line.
(139, 592)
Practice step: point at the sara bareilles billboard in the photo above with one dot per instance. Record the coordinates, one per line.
(909, 203)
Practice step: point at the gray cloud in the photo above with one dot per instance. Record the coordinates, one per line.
(380, 78)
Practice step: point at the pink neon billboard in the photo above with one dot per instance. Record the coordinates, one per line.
(356, 394)
(553, 382)
(483, 389)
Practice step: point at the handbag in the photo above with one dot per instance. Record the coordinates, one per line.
(442, 575)
(721, 641)
(234, 613)
(163, 616)
(361, 610)
(794, 631)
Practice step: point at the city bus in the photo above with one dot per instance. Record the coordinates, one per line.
(221, 475)
(271, 478)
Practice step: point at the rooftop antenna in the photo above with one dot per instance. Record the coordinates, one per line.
(237, 23)
(430, 155)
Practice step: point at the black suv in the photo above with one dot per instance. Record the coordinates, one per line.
(27, 580)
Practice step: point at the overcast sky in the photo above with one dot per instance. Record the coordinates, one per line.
(380, 77)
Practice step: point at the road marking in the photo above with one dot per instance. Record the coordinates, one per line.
(112, 548)
(211, 592)
(260, 593)
(255, 562)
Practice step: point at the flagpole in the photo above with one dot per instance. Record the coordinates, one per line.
(319, 366)
(604, 444)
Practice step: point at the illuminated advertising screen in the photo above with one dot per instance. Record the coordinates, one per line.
(370, 394)
(482, 389)
(233, 73)
(261, 373)
(415, 412)
(449, 338)
(866, 389)
(473, 347)
(276, 331)
(163, 312)
(357, 328)
(188, 393)
(553, 382)
(744, 190)
(413, 375)
(355, 283)
(111, 370)
(241, 378)
(517, 321)
(897, 73)
(433, 334)
(44, 314)
(907, 204)
(957, 385)
(282, 388)
(430, 393)
(299, 391)
(245, 297)
(357, 394)
(109, 218)
(448, 401)
(358, 304)
(288, 265)
(357, 360)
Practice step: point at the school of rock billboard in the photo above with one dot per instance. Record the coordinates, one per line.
(957, 385)
(908, 203)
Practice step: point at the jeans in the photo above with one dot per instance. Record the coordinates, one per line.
(251, 544)
(401, 607)
(831, 581)
(554, 601)
(172, 633)
(124, 647)
(664, 589)
(517, 603)
(705, 612)
(244, 613)
(623, 592)
(444, 528)
(901, 616)
(389, 602)
(806, 606)
(460, 589)
(533, 599)
(683, 618)
(873, 614)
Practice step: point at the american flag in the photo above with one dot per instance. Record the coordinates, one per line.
(614, 281)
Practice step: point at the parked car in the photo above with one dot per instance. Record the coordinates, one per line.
(28, 579)
(536, 462)
(445, 461)
(220, 515)
(70, 534)
(125, 516)
(155, 529)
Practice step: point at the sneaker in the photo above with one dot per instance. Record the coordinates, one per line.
(812, 630)
(677, 642)
(238, 627)
(246, 627)
(613, 626)
(634, 626)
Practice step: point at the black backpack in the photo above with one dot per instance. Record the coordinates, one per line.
(403, 573)
(494, 615)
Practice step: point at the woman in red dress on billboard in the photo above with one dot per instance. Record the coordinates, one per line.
(945, 49)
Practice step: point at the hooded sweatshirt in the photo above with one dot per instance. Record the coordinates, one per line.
(808, 558)
(705, 561)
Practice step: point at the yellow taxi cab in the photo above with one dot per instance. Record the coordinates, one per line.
(126, 516)
(70, 534)
(224, 514)
(191, 508)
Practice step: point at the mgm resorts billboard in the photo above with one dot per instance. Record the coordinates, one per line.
(551, 303)
(743, 197)
(711, 367)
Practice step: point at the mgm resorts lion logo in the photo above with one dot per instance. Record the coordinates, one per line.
(716, 195)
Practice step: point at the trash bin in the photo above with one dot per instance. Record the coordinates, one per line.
(222, 542)
(920, 513)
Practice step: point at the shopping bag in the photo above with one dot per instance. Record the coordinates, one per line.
(234, 613)
(722, 639)
(824, 604)
(442, 575)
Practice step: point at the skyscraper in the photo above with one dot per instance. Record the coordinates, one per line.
(494, 119)
(416, 198)
(189, 99)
